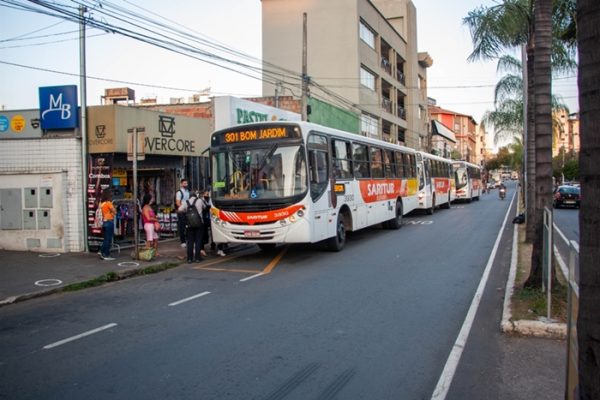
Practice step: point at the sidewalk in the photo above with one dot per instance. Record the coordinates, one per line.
(27, 275)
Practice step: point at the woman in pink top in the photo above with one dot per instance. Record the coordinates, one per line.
(150, 223)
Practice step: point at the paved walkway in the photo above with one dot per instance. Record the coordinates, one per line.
(26, 275)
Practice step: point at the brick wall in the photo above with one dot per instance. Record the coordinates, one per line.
(54, 157)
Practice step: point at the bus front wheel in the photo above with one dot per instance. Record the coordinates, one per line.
(396, 222)
(431, 210)
(337, 242)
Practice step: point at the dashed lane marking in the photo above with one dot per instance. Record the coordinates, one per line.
(175, 303)
(81, 335)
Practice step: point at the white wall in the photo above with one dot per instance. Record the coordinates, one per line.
(40, 163)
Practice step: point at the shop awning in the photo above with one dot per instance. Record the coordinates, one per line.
(437, 128)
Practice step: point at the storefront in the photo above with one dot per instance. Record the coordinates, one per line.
(41, 192)
(173, 147)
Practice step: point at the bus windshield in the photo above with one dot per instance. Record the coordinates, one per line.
(273, 172)
(461, 177)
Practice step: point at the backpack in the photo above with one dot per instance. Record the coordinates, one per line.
(98, 217)
(193, 217)
(175, 199)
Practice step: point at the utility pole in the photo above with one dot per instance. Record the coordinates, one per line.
(304, 100)
(136, 154)
(83, 127)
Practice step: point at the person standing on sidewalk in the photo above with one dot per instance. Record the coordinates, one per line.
(181, 196)
(150, 222)
(195, 226)
(208, 234)
(108, 227)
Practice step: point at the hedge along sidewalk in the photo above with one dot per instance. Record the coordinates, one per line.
(112, 276)
(536, 328)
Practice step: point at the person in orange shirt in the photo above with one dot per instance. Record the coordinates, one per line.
(108, 227)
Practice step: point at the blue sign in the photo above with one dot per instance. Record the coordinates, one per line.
(3, 123)
(58, 107)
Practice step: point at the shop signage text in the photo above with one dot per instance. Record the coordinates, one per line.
(58, 107)
(245, 116)
(170, 144)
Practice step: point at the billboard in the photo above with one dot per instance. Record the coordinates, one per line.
(58, 107)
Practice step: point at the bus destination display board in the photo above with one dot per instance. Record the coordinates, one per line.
(255, 134)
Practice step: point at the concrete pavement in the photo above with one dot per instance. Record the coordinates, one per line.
(26, 275)
(527, 367)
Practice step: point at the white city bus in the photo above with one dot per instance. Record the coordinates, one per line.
(468, 180)
(437, 186)
(298, 182)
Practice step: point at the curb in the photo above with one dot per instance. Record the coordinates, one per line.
(538, 329)
(119, 275)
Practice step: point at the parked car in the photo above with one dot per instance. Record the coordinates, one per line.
(567, 195)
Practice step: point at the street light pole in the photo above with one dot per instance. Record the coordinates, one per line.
(83, 128)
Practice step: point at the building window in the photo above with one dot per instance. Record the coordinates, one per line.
(367, 35)
(369, 126)
(367, 78)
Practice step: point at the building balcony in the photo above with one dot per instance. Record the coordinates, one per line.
(401, 77)
(386, 66)
(387, 105)
(401, 112)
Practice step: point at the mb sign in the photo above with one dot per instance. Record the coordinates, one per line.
(58, 107)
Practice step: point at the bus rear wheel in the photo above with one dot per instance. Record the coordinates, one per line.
(337, 242)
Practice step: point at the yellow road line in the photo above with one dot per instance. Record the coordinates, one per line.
(267, 270)
(275, 261)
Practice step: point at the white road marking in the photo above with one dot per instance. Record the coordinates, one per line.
(443, 385)
(562, 235)
(48, 282)
(81, 335)
(175, 303)
(252, 277)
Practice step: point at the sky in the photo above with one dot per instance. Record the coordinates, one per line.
(453, 82)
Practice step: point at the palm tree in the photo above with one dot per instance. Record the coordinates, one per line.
(505, 26)
(507, 116)
(508, 25)
(543, 133)
(588, 322)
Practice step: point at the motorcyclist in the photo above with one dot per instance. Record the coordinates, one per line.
(502, 190)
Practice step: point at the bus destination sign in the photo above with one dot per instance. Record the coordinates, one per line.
(255, 134)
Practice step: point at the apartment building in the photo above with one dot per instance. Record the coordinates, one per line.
(567, 136)
(465, 131)
(481, 152)
(361, 56)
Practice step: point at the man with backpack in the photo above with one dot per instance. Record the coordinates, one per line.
(192, 208)
(180, 197)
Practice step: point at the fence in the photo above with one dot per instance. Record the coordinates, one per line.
(572, 347)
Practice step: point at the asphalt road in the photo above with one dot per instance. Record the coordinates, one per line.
(375, 321)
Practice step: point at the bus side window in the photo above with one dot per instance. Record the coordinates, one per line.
(376, 164)
(389, 164)
(318, 167)
(360, 158)
(342, 159)
(400, 164)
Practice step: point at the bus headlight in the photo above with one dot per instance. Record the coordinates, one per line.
(295, 217)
